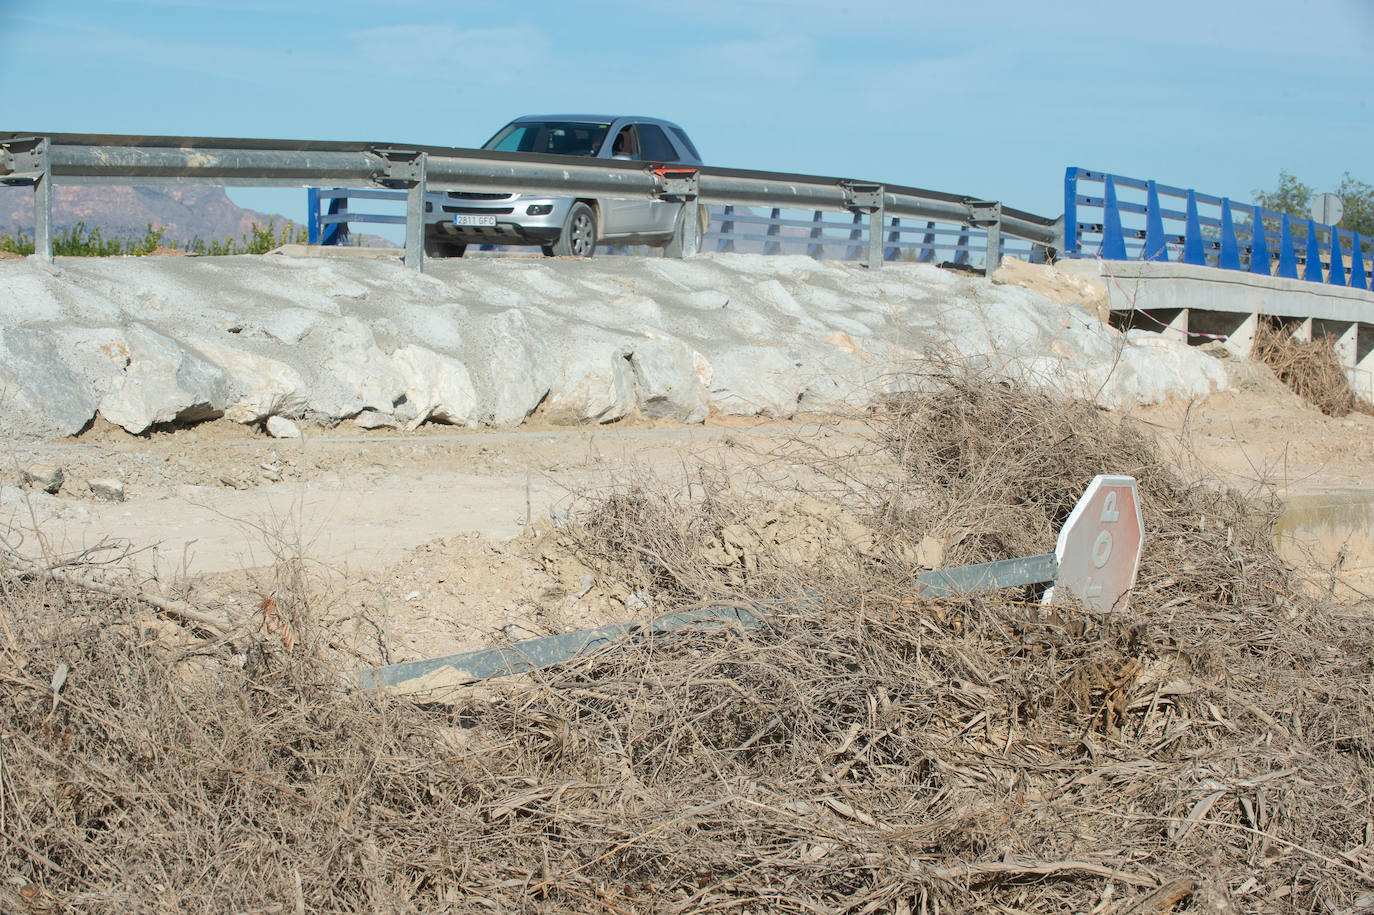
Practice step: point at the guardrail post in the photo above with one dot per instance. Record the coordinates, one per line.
(406, 168)
(1357, 276)
(1069, 241)
(927, 255)
(860, 198)
(1336, 272)
(25, 160)
(727, 227)
(770, 246)
(1156, 249)
(1113, 241)
(1288, 256)
(1193, 252)
(987, 214)
(816, 247)
(1259, 246)
(894, 238)
(681, 185)
(1229, 258)
(312, 215)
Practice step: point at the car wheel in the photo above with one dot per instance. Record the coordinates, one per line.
(438, 246)
(578, 238)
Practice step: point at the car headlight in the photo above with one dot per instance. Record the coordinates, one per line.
(539, 209)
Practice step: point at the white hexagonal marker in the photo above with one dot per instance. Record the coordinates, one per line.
(1099, 546)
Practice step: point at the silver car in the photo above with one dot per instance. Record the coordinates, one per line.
(564, 225)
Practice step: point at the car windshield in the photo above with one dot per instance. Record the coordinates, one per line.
(558, 138)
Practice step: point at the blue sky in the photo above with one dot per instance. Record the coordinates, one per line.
(988, 98)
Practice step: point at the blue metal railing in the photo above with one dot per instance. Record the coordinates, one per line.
(1223, 233)
(737, 229)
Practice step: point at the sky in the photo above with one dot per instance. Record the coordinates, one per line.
(992, 99)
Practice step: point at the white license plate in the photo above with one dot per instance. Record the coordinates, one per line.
(466, 220)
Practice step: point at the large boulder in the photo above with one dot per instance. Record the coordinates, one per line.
(593, 382)
(42, 397)
(671, 381)
(755, 380)
(438, 388)
(260, 386)
(511, 367)
(163, 382)
(354, 374)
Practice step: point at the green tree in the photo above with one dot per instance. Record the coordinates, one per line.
(1293, 197)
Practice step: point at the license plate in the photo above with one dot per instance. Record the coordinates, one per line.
(466, 220)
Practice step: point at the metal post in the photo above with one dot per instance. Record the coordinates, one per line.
(312, 215)
(42, 207)
(875, 235)
(415, 218)
(987, 214)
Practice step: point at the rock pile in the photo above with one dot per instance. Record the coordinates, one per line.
(486, 341)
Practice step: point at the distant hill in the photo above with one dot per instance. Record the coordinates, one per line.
(187, 212)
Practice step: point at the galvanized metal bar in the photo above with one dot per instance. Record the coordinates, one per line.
(534, 654)
(989, 576)
(415, 218)
(42, 205)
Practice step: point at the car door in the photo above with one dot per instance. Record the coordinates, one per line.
(622, 216)
(655, 147)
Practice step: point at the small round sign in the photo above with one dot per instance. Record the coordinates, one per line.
(1327, 209)
(1099, 545)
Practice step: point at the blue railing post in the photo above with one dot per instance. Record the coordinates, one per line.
(312, 215)
(1156, 249)
(1357, 277)
(1193, 252)
(855, 252)
(1312, 272)
(1229, 259)
(1259, 246)
(961, 249)
(894, 238)
(816, 248)
(773, 247)
(927, 255)
(1113, 242)
(1288, 257)
(727, 227)
(1071, 246)
(1336, 275)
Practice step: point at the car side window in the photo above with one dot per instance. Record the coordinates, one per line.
(626, 143)
(655, 145)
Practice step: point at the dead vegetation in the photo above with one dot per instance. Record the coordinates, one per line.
(1210, 749)
(1310, 368)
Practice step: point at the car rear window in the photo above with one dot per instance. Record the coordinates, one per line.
(655, 146)
(686, 143)
(556, 138)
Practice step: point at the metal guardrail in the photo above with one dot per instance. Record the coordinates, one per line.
(329, 216)
(40, 160)
(1278, 245)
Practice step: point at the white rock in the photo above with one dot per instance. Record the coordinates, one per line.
(260, 386)
(437, 387)
(371, 419)
(667, 383)
(755, 380)
(106, 490)
(281, 427)
(163, 383)
(42, 397)
(511, 367)
(354, 374)
(594, 381)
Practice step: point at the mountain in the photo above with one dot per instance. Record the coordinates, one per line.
(120, 211)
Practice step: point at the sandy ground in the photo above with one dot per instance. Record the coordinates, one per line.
(423, 544)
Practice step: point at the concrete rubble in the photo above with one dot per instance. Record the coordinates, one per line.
(488, 341)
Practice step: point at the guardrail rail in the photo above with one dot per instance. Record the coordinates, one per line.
(39, 160)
